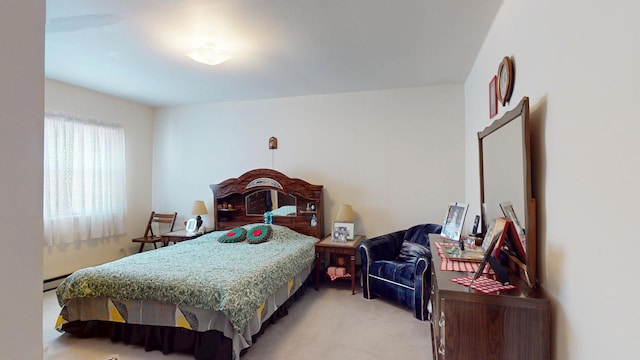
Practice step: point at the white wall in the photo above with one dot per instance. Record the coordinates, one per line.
(21, 132)
(579, 62)
(138, 127)
(394, 155)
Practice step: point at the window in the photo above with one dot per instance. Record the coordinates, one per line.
(84, 179)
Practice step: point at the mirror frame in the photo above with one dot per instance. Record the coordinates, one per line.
(519, 113)
(277, 193)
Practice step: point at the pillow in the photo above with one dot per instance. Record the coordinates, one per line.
(259, 234)
(234, 235)
(419, 234)
(410, 252)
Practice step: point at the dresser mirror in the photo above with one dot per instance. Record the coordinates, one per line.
(505, 177)
(261, 201)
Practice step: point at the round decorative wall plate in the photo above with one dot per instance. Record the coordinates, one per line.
(505, 80)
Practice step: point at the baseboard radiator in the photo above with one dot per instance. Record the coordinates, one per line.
(50, 284)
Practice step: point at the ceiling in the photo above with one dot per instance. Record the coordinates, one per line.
(136, 49)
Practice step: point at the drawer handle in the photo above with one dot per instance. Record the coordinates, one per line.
(442, 323)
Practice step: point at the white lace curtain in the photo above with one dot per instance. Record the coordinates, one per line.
(84, 179)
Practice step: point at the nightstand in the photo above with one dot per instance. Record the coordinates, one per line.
(180, 235)
(327, 246)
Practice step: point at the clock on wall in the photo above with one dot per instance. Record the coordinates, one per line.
(505, 80)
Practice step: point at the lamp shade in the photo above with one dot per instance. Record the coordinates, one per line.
(345, 213)
(199, 208)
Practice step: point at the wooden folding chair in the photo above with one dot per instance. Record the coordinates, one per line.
(151, 238)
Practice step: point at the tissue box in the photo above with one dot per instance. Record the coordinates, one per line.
(331, 271)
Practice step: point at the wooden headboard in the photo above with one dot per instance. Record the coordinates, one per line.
(230, 199)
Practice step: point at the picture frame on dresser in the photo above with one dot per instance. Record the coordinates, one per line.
(509, 212)
(492, 238)
(496, 227)
(454, 220)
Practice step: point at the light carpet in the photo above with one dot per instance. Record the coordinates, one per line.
(326, 324)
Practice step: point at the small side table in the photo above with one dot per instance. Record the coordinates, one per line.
(327, 246)
(180, 235)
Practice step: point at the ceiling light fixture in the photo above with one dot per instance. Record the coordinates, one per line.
(209, 54)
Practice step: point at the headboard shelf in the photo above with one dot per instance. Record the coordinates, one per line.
(243, 191)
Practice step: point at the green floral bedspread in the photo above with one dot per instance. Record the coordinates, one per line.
(234, 278)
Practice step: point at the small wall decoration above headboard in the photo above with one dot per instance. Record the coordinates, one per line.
(505, 80)
(289, 200)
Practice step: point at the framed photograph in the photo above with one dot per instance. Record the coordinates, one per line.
(496, 228)
(493, 97)
(190, 226)
(513, 243)
(492, 239)
(503, 237)
(507, 210)
(454, 220)
(342, 231)
(508, 239)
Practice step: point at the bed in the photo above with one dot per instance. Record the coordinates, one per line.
(204, 296)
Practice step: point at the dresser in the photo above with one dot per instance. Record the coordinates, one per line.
(513, 324)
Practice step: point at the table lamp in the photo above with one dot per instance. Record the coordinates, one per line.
(345, 213)
(199, 209)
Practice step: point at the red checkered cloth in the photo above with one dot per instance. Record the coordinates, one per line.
(333, 277)
(483, 284)
(454, 265)
(337, 272)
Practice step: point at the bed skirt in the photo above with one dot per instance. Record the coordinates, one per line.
(204, 345)
(207, 345)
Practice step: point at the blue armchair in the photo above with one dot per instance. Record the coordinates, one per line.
(396, 266)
